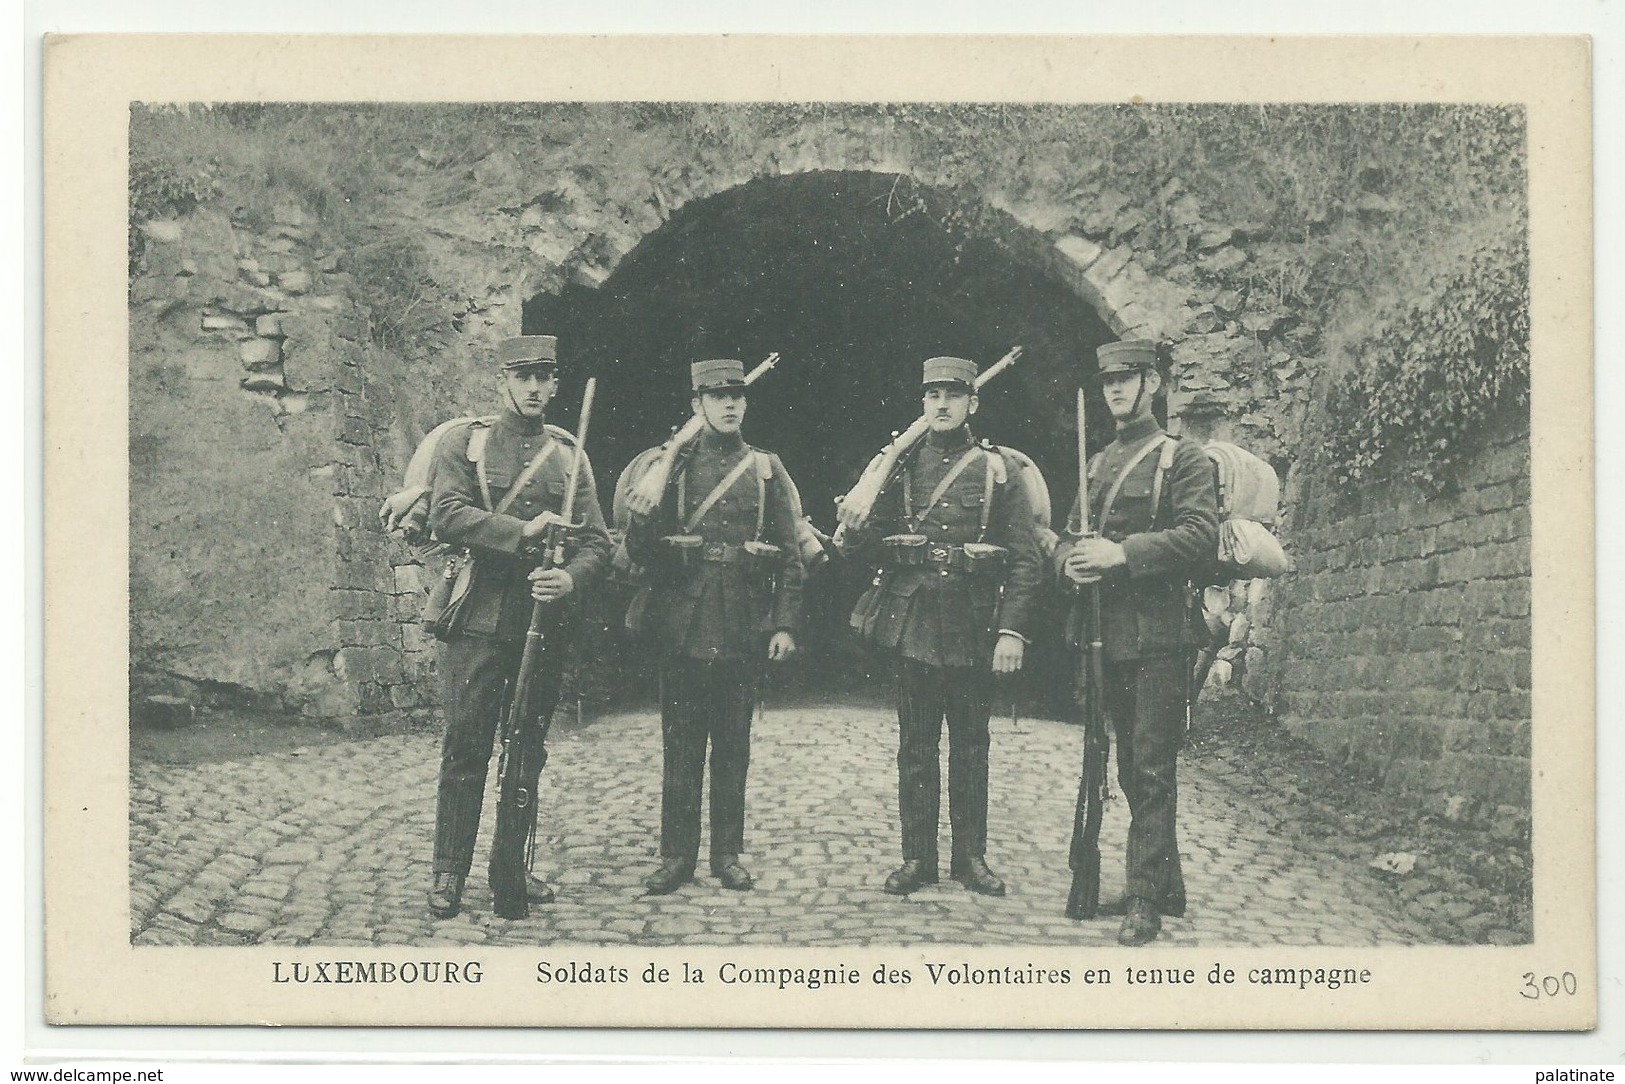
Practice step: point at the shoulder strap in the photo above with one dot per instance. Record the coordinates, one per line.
(994, 474)
(1122, 476)
(479, 430)
(764, 471)
(727, 483)
(1164, 462)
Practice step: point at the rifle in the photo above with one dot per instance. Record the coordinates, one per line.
(513, 844)
(650, 489)
(853, 509)
(1084, 899)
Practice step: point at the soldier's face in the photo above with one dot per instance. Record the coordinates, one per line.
(723, 411)
(1122, 389)
(947, 406)
(529, 390)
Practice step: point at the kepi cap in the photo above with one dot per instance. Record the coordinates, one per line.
(717, 373)
(946, 370)
(1127, 356)
(523, 351)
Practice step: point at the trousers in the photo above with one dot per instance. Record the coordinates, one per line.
(1144, 701)
(476, 674)
(704, 703)
(926, 695)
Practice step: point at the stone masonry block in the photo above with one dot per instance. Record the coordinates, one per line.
(1489, 736)
(260, 354)
(1502, 780)
(1082, 252)
(408, 580)
(1416, 738)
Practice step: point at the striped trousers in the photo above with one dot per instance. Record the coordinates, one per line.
(475, 674)
(926, 695)
(1145, 705)
(704, 703)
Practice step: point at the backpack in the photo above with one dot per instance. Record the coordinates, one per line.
(1038, 498)
(1249, 495)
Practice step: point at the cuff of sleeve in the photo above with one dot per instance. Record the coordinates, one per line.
(1136, 557)
(1017, 635)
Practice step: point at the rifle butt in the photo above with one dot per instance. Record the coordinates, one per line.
(1083, 902)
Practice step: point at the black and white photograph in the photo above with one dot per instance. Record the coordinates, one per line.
(798, 558)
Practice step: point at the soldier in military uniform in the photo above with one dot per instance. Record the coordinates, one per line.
(722, 594)
(496, 486)
(959, 569)
(1154, 511)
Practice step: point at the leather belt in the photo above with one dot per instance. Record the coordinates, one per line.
(953, 558)
(722, 553)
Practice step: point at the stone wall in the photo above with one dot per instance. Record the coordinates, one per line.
(1400, 644)
(257, 575)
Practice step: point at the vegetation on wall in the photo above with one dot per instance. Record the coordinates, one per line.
(1431, 368)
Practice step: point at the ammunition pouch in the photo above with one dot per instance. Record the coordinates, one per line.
(762, 559)
(445, 612)
(905, 550)
(985, 559)
(683, 552)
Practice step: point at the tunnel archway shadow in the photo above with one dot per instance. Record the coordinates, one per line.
(854, 278)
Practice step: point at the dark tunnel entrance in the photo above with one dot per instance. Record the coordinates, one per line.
(855, 279)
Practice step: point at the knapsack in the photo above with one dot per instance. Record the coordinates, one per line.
(1249, 502)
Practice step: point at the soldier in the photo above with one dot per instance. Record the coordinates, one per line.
(959, 569)
(496, 486)
(1154, 505)
(723, 593)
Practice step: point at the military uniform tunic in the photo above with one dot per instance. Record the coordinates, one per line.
(1148, 631)
(480, 660)
(942, 622)
(709, 620)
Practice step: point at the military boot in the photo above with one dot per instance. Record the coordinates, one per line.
(1141, 925)
(446, 895)
(672, 875)
(972, 872)
(911, 876)
(726, 868)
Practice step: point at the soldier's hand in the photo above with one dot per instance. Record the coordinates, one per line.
(1093, 556)
(1077, 569)
(781, 646)
(1008, 653)
(550, 584)
(394, 513)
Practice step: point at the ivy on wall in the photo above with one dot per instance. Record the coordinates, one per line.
(1429, 371)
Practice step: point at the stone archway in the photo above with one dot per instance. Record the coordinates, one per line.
(854, 276)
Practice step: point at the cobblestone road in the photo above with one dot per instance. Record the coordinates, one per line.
(332, 846)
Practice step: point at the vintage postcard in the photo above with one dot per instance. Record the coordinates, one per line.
(586, 532)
